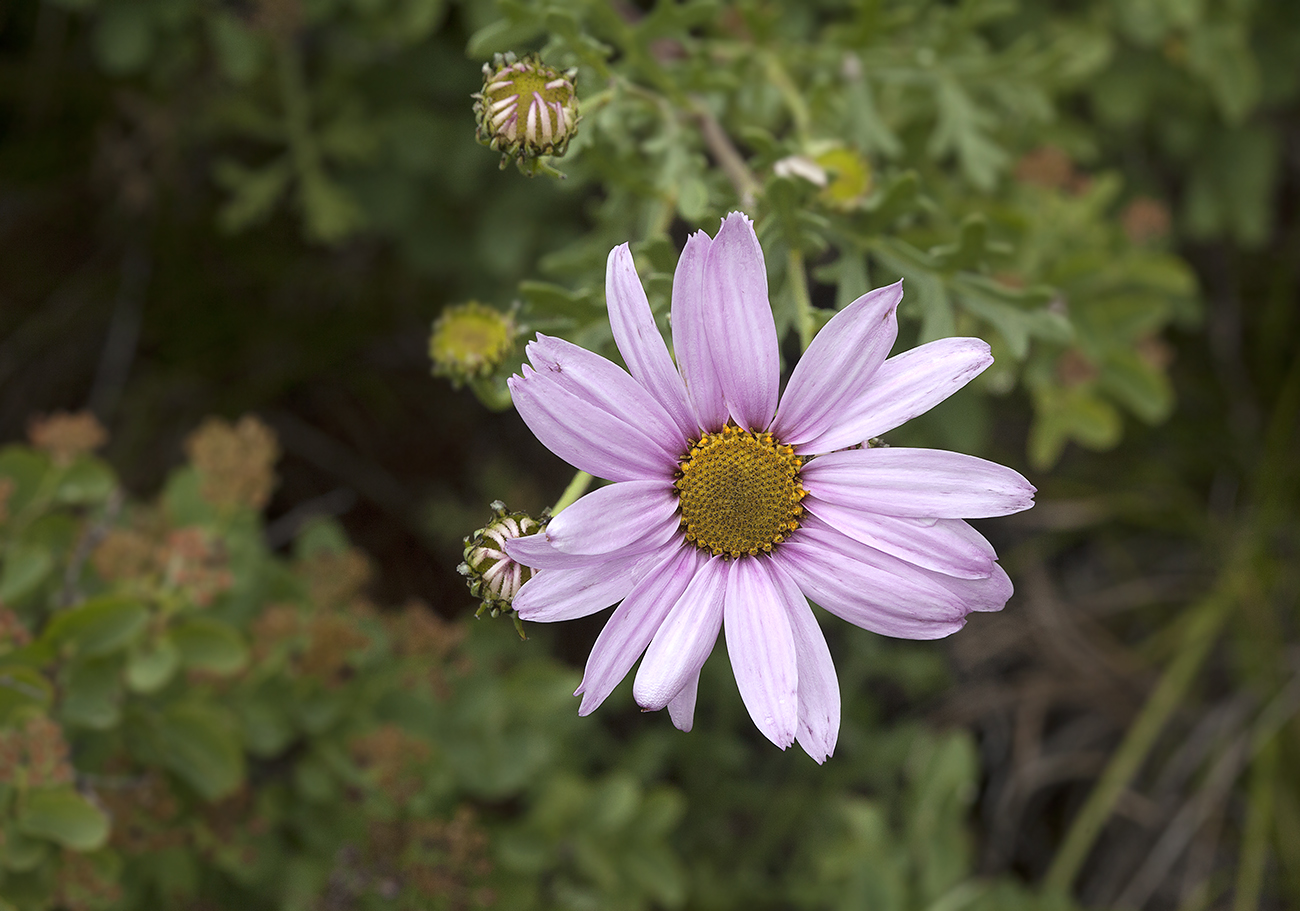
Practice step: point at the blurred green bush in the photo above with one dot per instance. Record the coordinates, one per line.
(189, 720)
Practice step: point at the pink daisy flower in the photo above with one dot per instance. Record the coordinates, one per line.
(733, 505)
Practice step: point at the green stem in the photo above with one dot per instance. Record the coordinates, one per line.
(790, 94)
(577, 487)
(802, 302)
(1199, 636)
(1259, 820)
(297, 110)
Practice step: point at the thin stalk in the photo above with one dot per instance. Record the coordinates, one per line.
(802, 302)
(791, 95)
(1199, 636)
(1259, 819)
(577, 487)
(297, 110)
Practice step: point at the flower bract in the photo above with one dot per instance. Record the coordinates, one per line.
(733, 505)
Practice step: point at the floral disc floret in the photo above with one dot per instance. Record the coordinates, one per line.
(740, 492)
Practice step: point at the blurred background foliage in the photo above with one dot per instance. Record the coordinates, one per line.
(209, 698)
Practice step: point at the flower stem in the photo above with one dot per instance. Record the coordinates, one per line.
(577, 487)
(798, 279)
(1199, 635)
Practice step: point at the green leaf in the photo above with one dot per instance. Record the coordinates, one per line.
(1138, 386)
(64, 817)
(1220, 53)
(200, 744)
(97, 627)
(92, 693)
(88, 480)
(266, 726)
(1071, 414)
(238, 50)
(208, 644)
(330, 212)
(124, 38)
(19, 852)
(27, 470)
(22, 687)
(26, 566)
(254, 192)
(150, 668)
(501, 34)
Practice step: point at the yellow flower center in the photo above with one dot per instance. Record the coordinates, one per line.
(739, 492)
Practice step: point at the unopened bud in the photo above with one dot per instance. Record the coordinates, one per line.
(526, 109)
(492, 575)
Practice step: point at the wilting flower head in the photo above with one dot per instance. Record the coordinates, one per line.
(732, 504)
(526, 108)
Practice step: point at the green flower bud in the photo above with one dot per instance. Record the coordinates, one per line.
(526, 109)
(470, 341)
(491, 574)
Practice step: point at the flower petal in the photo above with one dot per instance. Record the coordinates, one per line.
(819, 688)
(761, 648)
(639, 341)
(602, 382)
(538, 553)
(681, 709)
(948, 546)
(690, 337)
(586, 435)
(739, 326)
(634, 624)
(868, 588)
(906, 385)
(566, 594)
(838, 366)
(631, 515)
(684, 639)
(983, 595)
(924, 483)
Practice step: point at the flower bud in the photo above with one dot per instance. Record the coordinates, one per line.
(493, 577)
(470, 341)
(526, 109)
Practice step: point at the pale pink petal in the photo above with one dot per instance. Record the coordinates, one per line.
(868, 588)
(837, 367)
(684, 640)
(819, 688)
(924, 483)
(681, 708)
(690, 338)
(634, 624)
(639, 341)
(906, 385)
(738, 324)
(761, 648)
(537, 552)
(604, 383)
(947, 546)
(629, 515)
(566, 594)
(983, 595)
(585, 435)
